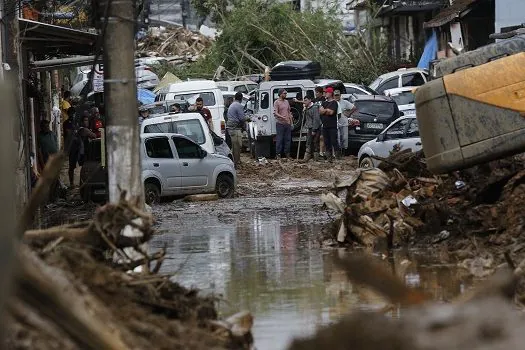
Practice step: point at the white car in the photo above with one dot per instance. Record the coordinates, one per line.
(400, 78)
(403, 132)
(173, 165)
(191, 125)
(405, 99)
(358, 89)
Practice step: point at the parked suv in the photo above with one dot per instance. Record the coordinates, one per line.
(373, 114)
(172, 164)
(400, 78)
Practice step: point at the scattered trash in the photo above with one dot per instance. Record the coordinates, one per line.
(262, 160)
(408, 201)
(443, 235)
(460, 184)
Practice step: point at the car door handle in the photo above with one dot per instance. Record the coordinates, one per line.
(156, 165)
(185, 164)
(418, 143)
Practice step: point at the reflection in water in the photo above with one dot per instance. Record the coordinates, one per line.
(282, 276)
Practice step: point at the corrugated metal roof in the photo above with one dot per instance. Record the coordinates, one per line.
(449, 13)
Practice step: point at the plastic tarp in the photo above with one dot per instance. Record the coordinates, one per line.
(145, 96)
(167, 79)
(430, 52)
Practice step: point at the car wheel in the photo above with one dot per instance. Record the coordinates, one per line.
(151, 193)
(224, 186)
(366, 162)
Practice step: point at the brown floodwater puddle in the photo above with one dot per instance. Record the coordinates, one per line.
(272, 265)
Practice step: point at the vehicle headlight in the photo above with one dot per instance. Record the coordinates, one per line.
(264, 118)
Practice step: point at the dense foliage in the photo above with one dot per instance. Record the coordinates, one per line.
(272, 32)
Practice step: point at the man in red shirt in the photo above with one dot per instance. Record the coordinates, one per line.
(205, 112)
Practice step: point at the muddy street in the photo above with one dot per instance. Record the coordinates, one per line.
(265, 254)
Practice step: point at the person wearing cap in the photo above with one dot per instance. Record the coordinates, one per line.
(283, 119)
(312, 122)
(346, 108)
(328, 113)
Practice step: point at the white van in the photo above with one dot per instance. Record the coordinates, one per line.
(191, 125)
(190, 91)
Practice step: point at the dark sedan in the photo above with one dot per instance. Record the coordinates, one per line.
(373, 114)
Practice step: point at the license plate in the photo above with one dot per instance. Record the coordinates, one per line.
(374, 125)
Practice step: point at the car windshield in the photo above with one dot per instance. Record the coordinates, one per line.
(190, 128)
(207, 97)
(404, 98)
(375, 107)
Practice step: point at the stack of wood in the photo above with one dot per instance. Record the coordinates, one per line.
(385, 204)
(174, 42)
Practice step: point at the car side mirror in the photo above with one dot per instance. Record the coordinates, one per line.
(401, 114)
(203, 153)
(381, 137)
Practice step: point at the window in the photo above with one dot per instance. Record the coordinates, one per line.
(223, 88)
(207, 97)
(397, 131)
(354, 91)
(378, 108)
(413, 79)
(241, 88)
(158, 147)
(190, 128)
(186, 149)
(292, 92)
(413, 129)
(389, 84)
(265, 100)
(159, 109)
(251, 87)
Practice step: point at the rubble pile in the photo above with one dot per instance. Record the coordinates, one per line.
(401, 202)
(178, 44)
(79, 287)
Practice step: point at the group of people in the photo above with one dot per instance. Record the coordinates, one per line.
(325, 115)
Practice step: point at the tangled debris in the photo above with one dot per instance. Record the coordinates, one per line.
(75, 289)
(178, 43)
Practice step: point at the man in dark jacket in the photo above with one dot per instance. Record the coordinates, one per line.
(328, 113)
(312, 122)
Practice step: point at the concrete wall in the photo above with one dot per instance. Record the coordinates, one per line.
(509, 13)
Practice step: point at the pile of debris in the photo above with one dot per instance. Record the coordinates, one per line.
(81, 286)
(177, 43)
(401, 202)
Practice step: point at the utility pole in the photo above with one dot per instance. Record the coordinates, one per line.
(120, 97)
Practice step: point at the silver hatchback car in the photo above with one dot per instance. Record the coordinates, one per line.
(172, 164)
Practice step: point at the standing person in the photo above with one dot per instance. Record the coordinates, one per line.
(47, 143)
(235, 125)
(143, 114)
(283, 119)
(96, 122)
(68, 128)
(227, 105)
(79, 145)
(328, 113)
(205, 112)
(65, 105)
(319, 99)
(313, 125)
(346, 108)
